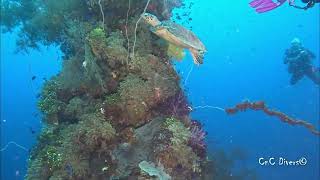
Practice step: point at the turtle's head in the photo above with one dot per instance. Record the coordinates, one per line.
(150, 19)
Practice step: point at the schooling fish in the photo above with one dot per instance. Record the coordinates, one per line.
(33, 77)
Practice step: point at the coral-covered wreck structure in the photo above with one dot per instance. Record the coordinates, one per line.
(110, 113)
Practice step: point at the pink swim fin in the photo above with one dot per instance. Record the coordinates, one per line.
(262, 6)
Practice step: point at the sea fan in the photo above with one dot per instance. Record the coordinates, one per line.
(197, 139)
(178, 105)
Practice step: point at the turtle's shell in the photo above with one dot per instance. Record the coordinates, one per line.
(183, 35)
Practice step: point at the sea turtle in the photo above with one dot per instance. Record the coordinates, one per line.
(177, 35)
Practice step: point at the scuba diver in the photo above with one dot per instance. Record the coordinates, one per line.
(310, 4)
(299, 60)
(262, 6)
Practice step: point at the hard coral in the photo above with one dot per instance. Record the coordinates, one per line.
(93, 131)
(132, 101)
(158, 75)
(151, 67)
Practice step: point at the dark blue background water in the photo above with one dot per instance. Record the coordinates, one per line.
(244, 61)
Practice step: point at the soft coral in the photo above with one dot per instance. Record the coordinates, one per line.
(197, 138)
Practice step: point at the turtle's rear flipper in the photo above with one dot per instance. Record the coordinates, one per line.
(197, 56)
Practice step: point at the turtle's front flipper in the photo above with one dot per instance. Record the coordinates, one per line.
(197, 56)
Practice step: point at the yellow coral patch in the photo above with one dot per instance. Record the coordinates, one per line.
(175, 52)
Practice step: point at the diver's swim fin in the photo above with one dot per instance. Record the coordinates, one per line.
(314, 75)
(262, 6)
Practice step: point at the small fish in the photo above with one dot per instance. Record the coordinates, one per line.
(17, 173)
(32, 130)
(191, 4)
(33, 77)
(35, 114)
(45, 79)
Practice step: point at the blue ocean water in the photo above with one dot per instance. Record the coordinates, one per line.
(244, 61)
(19, 113)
